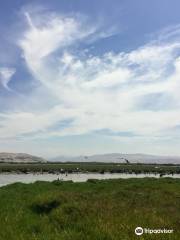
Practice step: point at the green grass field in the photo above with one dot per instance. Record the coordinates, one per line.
(95, 210)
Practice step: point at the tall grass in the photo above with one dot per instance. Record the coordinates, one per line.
(95, 210)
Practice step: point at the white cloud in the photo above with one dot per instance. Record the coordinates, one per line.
(50, 35)
(97, 92)
(5, 76)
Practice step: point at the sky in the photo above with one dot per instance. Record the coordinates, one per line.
(90, 77)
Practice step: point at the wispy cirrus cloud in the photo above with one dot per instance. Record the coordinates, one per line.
(5, 76)
(97, 92)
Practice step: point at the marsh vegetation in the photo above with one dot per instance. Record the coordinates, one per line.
(94, 167)
(94, 210)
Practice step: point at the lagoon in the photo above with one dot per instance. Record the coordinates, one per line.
(9, 178)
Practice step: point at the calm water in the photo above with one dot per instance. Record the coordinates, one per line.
(75, 177)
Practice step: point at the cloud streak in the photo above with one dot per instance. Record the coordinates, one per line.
(6, 75)
(97, 92)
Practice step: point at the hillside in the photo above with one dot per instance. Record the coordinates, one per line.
(121, 158)
(19, 158)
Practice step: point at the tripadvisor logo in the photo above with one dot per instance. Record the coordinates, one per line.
(139, 231)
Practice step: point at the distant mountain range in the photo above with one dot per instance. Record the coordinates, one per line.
(110, 157)
(19, 158)
(120, 158)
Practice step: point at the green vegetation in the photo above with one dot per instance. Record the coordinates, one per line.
(89, 167)
(95, 210)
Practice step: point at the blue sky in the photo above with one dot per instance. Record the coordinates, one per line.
(88, 77)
